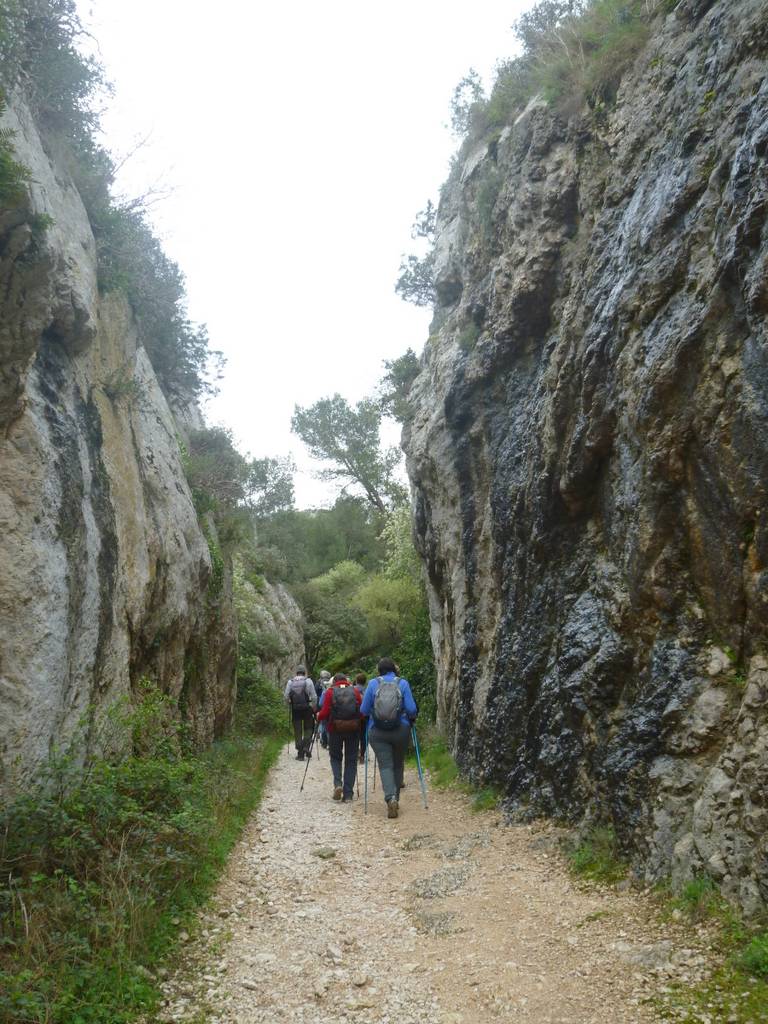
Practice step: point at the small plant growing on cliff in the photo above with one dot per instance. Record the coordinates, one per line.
(14, 176)
(485, 200)
(468, 337)
(466, 99)
(396, 385)
(122, 385)
(416, 282)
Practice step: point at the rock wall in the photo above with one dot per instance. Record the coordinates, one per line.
(105, 575)
(589, 456)
(274, 624)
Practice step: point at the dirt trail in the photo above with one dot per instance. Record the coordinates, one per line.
(442, 916)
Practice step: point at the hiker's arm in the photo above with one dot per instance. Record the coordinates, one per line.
(287, 692)
(367, 705)
(325, 707)
(409, 704)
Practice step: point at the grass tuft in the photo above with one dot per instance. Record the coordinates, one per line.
(596, 857)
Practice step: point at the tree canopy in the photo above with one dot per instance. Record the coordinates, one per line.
(348, 438)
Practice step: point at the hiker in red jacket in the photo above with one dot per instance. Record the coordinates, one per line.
(341, 710)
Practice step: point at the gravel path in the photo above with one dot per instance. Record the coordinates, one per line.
(445, 916)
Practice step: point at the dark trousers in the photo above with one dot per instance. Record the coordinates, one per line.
(344, 746)
(303, 727)
(390, 746)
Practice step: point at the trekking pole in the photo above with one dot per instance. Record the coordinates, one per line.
(367, 744)
(309, 758)
(374, 771)
(418, 765)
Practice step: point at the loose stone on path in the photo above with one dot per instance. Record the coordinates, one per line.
(483, 922)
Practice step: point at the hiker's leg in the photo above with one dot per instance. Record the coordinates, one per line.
(309, 728)
(335, 749)
(381, 742)
(399, 746)
(298, 726)
(350, 763)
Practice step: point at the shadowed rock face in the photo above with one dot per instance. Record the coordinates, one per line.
(589, 454)
(104, 570)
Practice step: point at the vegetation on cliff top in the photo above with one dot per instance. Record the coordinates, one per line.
(574, 54)
(40, 55)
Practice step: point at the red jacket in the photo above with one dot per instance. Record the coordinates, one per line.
(325, 708)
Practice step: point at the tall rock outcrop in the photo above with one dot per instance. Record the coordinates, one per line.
(271, 626)
(589, 455)
(105, 574)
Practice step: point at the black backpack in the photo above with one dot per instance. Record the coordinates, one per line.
(345, 713)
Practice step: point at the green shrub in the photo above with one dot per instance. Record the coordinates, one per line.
(754, 959)
(14, 177)
(574, 52)
(698, 898)
(486, 799)
(596, 857)
(438, 760)
(468, 337)
(98, 870)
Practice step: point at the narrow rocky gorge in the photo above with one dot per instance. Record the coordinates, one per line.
(588, 452)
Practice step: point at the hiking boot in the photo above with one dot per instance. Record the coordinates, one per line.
(299, 757)
(392, 808)
(337, 793)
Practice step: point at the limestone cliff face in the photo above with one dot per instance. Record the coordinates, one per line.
(275, 624)
(589, 454)
(105, 575)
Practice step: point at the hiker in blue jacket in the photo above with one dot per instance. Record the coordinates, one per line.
(389, 703)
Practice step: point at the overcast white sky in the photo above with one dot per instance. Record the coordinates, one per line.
(299, 138)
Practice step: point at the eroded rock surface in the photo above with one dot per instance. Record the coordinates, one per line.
(589, 453)
(105, 575)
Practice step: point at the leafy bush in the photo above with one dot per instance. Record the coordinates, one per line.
(14, 176)
(574, 52)
(388, 604)
(98, 869)
(755, 957)
(416, 282)
(396, 385)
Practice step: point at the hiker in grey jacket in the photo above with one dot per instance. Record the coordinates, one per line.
(301, 697)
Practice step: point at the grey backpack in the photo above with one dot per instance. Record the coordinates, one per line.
(298, 694)
(387, 704)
